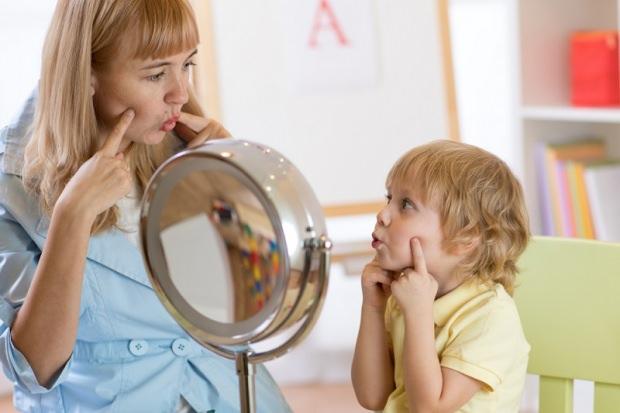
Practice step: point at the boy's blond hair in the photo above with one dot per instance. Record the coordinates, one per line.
(479, 201)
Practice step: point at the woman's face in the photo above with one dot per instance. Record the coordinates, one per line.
(155, 89)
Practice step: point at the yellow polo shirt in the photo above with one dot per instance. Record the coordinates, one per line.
(477, 333)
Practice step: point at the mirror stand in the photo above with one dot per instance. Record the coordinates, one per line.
(246, 371)
(245, 360)
(236, 247)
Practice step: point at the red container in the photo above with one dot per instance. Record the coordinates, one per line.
(594, 69)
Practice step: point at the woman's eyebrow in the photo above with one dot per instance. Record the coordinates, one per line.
(166, 63)
(191, 54)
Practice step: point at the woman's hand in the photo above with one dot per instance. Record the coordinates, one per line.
(103, 179)
(196, 130)
(415, 289)
(375, 285)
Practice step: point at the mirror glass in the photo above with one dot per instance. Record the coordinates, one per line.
(219, 245)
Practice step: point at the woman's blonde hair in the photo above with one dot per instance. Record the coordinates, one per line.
(480, 203)
(84, 36)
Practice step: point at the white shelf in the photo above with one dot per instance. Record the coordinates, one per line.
(571, 114)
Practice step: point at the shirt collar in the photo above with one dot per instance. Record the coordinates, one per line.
(15, 136)
(445, 306)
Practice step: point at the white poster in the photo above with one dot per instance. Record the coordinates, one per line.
(330, 44)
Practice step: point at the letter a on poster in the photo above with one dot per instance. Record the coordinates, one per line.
(330, 45)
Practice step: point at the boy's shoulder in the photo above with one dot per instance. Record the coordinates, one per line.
(492, 307)
(489, 321)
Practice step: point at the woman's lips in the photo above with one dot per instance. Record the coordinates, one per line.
(169, 124)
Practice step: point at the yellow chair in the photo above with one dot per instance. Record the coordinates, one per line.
(568, 297)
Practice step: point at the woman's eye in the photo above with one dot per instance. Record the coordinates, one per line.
(187, 65)
(388, 198)
(156, 77)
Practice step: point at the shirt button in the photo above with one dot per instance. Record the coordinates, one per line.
(138, 347)
(180, 347)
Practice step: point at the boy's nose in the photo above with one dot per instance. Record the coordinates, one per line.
(383, 217)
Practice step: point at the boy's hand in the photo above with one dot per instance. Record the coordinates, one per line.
(415, 289)
(375, 286)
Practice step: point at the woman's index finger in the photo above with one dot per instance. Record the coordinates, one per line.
(195, 123)
(114, 139)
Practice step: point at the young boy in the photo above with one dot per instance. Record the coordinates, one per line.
(440, 286)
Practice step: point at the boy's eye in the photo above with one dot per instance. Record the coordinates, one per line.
(408, 204)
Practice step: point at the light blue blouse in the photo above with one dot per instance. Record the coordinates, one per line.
(130, 355)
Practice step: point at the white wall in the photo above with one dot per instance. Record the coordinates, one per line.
(23, 25)
(343, 140)
(484, 48)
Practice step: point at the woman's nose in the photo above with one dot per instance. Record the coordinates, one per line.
(178, 94)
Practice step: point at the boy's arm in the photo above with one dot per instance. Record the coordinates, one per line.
(430, 387)
(372, 372)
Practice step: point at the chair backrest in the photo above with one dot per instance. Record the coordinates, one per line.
(568, 295)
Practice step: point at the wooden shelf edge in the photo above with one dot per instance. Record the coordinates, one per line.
(362, 208)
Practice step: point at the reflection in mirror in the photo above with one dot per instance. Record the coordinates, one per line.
(219, 246)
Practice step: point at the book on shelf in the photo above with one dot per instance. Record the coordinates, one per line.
(564, 203)
(577, 175)
(601, 181)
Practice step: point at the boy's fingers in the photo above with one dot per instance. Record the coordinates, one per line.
(113, 142)
(384, 279)
(379, 277)
(419, 262)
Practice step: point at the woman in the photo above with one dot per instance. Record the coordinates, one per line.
(80, 326)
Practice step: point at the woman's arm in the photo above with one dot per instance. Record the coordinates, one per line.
(372, 372)
(45, 328)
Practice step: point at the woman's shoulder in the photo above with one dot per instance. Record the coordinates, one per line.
(18, 206)
(12, 190)
(15, 136)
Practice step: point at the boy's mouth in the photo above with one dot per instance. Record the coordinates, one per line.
(375, 241)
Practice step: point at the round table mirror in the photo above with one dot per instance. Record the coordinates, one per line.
(236, 247)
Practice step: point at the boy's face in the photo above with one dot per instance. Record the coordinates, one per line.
(403, 218)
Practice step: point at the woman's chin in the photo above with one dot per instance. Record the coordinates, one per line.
(153, 138)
